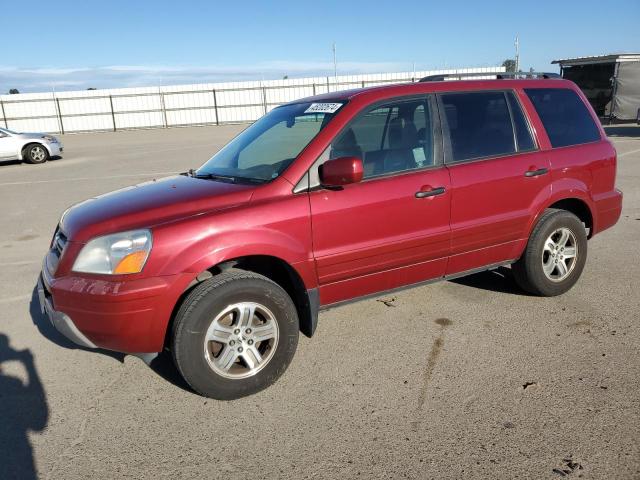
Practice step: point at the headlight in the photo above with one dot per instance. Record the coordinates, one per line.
(50, 139)
(115, 254)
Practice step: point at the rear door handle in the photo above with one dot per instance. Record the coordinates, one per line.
(430, 193)
(535, 173)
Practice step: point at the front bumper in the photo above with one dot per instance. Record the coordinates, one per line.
(129, 315)
(61, 321)
(55, 149)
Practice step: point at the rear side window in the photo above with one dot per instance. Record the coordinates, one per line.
(564, 115)
(479, 125)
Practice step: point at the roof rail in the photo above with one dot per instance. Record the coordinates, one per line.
(499, 76)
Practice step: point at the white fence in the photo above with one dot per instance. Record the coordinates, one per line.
(178, 105)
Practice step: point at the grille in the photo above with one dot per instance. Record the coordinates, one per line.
(59, 242)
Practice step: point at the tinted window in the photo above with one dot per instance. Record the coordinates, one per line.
(523, 134)
(564, 116)
(389, 138)
(479, 125)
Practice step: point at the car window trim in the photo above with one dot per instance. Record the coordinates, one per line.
(527, 121)
(514, 132)
(304, 184)
(446, 136)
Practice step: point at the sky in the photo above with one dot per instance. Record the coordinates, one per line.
(66, 45)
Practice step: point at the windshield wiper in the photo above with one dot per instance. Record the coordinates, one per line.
(224, 178)
(213, 176)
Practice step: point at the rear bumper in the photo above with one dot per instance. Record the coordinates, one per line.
(607, 210)
(125, 316)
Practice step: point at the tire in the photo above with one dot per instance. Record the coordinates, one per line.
(36, 153)
(540, 270)
(226, 366)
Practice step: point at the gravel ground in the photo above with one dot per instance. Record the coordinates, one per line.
(461, 379)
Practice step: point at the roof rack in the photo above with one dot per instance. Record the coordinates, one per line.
(499, 76)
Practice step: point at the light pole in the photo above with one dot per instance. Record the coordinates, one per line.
(517, 54)
(335, 63)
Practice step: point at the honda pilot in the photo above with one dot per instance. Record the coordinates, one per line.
(327, 200)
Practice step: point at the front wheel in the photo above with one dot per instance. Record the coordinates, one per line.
(555, 255)
(36, 153)
(234, 335)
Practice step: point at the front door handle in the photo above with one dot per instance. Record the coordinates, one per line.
(535, 173)
(430, 193)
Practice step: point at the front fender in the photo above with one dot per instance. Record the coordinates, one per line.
(212, 249)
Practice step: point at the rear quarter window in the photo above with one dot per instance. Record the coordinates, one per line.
(564, 115)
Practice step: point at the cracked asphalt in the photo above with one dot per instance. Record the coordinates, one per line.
(461, 379)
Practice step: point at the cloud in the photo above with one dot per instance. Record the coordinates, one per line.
(116, 76)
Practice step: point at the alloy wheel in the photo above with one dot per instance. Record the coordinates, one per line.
(241, 340)
(560, 254)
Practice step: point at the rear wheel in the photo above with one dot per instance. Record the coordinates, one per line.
(234, 335)
(36, 153)
(555, 255)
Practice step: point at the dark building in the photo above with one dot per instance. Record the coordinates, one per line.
(610, 82)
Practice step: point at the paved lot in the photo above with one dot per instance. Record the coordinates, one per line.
(463, 379)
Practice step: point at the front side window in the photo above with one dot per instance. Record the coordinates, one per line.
(265, 149)
(479, 125)
(564, 115)
(389, 138)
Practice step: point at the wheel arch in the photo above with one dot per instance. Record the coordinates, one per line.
(276, 269)
(579, 208)
(576, 201)
(25, 147)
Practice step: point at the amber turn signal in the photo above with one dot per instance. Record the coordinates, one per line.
(132, 263)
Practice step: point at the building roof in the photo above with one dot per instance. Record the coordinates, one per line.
(610, 58)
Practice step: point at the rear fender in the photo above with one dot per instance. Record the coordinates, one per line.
(562, 189)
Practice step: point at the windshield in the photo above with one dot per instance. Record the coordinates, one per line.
(266, 148)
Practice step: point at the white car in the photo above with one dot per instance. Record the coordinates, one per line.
(30, 147)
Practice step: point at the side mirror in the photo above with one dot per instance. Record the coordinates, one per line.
(341, 171)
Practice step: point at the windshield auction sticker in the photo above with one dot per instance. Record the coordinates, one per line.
(323, 108)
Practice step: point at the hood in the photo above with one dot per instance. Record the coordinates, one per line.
(149, 204)
(32, 135)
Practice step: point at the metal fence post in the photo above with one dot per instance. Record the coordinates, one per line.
(215, 106)
(164, 110)
(129, 103)
(59, 112)
(113, 115)
(4, 115)
(264, 99)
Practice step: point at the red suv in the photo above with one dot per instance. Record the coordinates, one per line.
(330, 199)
